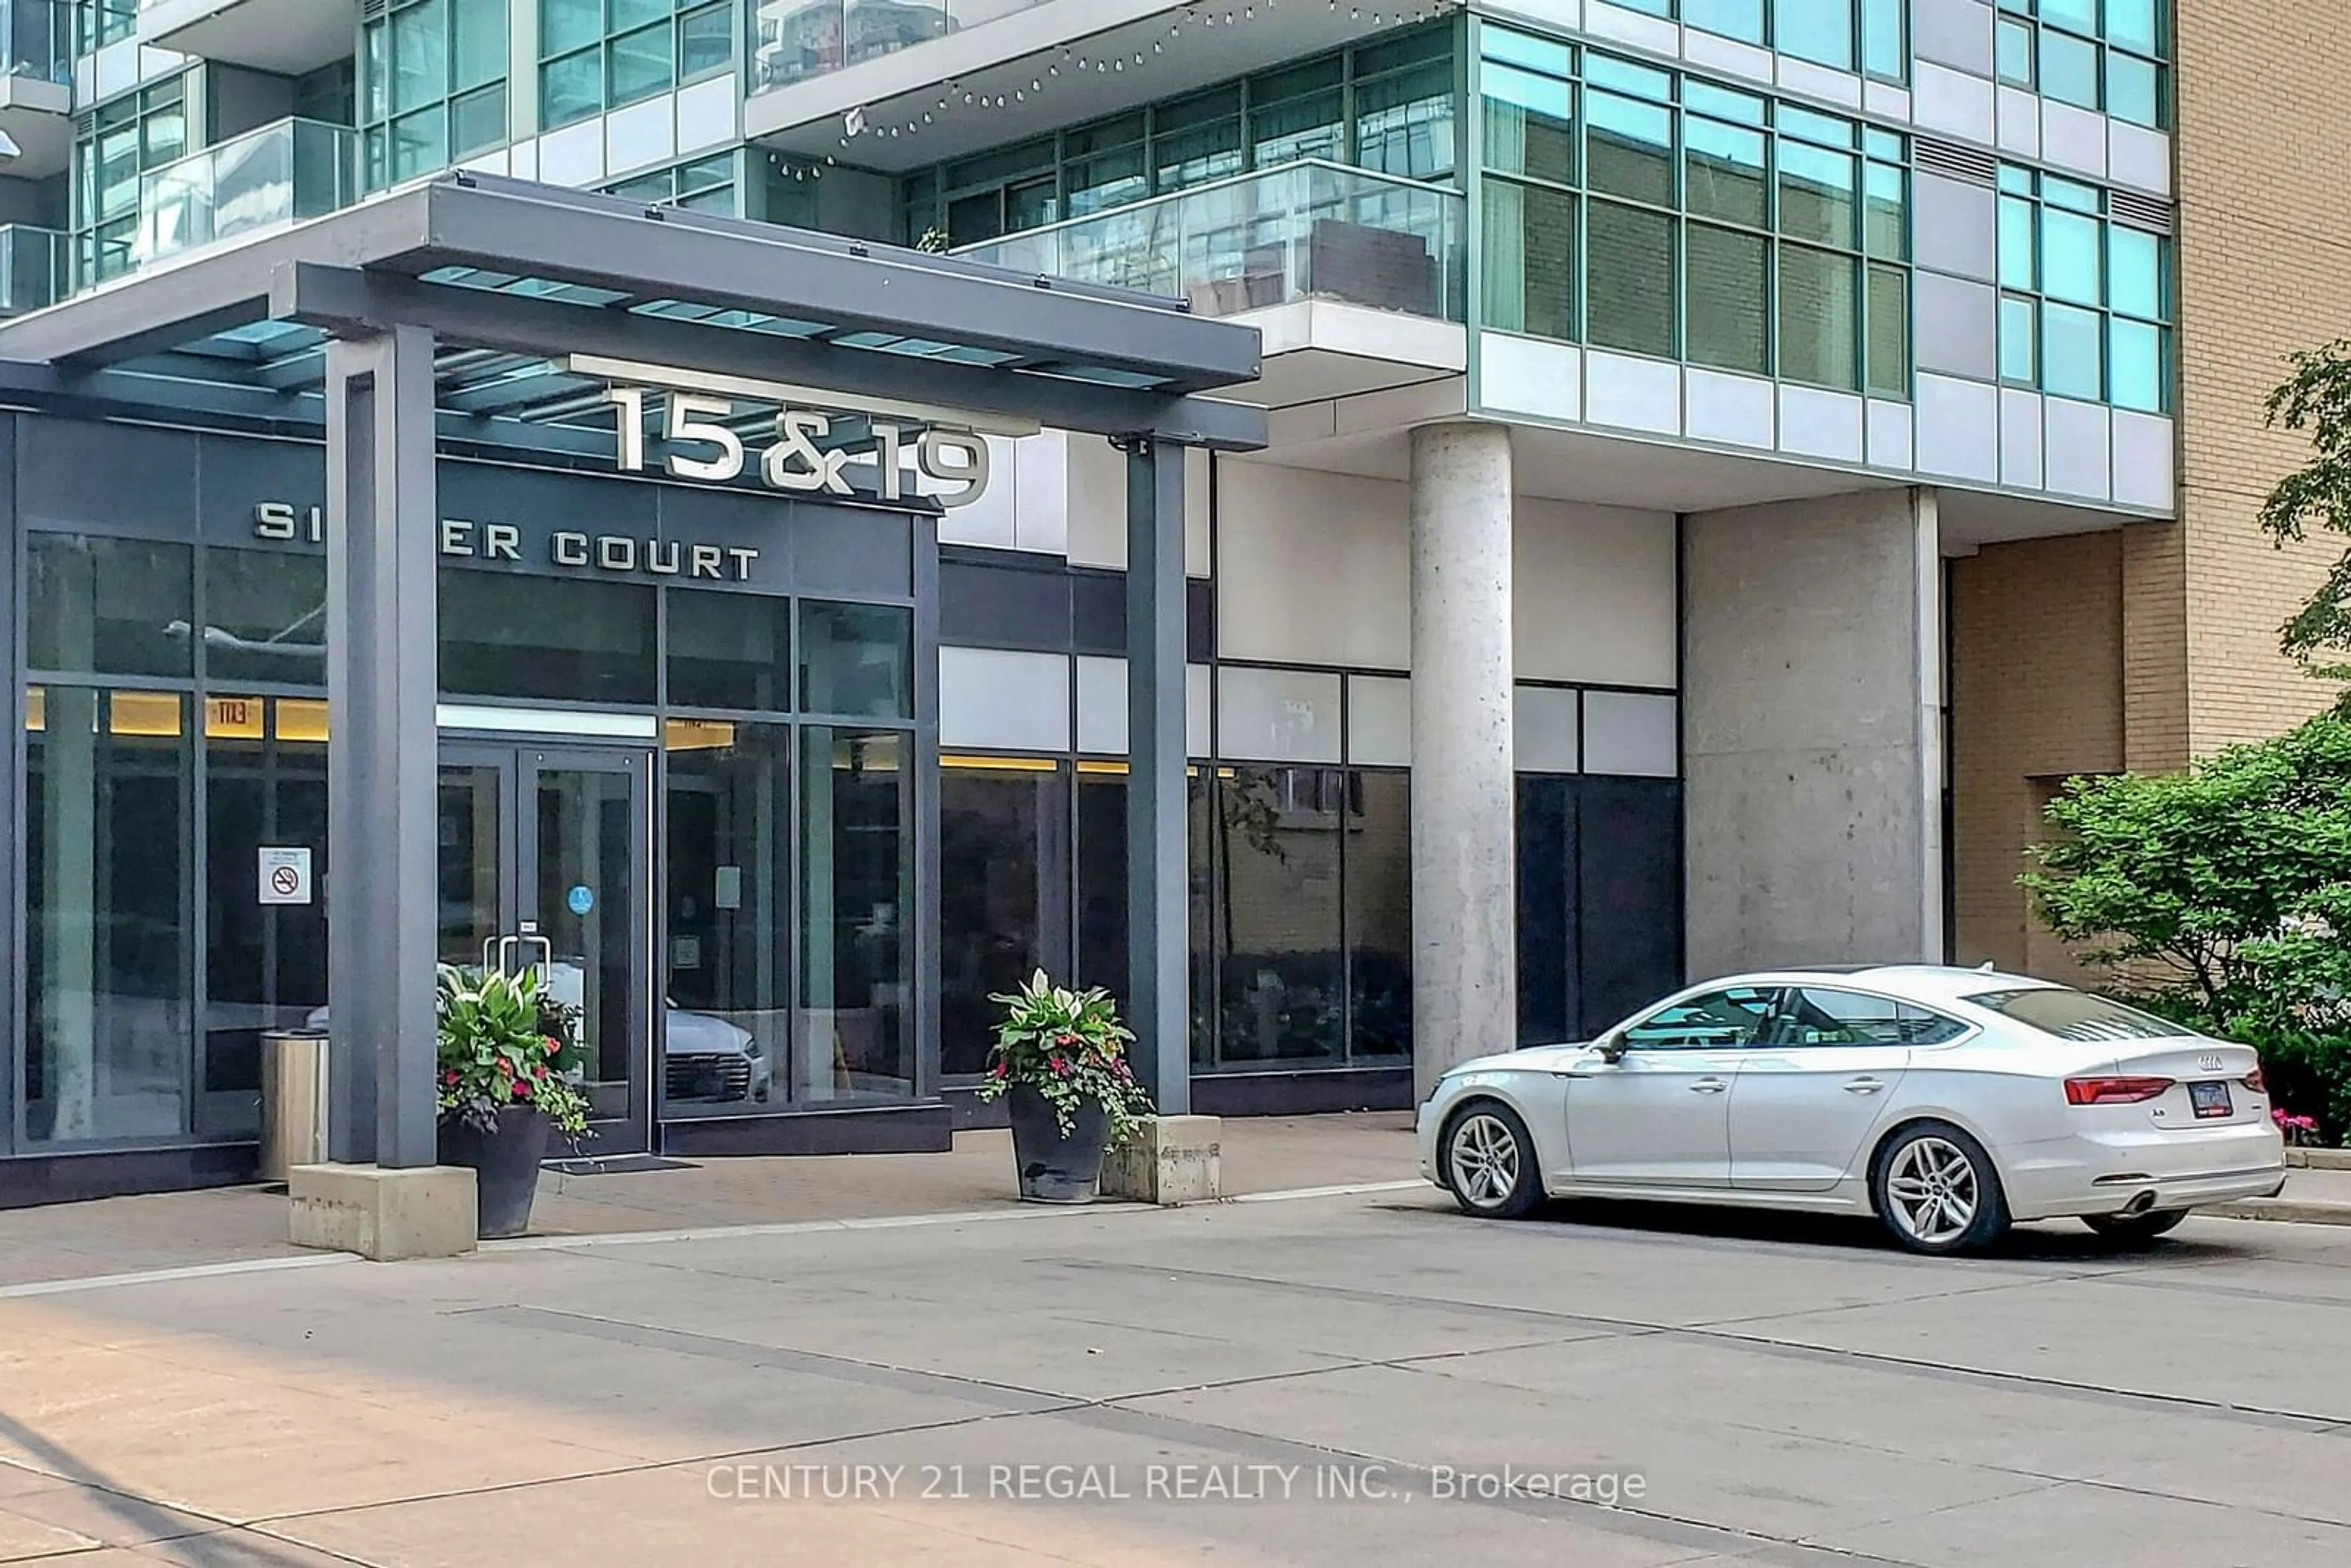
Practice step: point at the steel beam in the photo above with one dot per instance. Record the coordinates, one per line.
(344, 300)
(1157, 865)
(382, 651)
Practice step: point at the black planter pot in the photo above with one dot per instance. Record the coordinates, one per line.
(505, 1164)
(1053, 1168)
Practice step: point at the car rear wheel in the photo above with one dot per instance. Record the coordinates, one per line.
(2130, 1228)
(1938, 1191)
(1490, 1162)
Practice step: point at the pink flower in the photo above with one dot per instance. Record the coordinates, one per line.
(1061, 1064)
(521, 1087)
(1000, 1070)
(451, 1076)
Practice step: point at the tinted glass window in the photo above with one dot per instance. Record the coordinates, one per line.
(114, 606)
(1813, 1016)
(1717, 1019)
(2076, 1015)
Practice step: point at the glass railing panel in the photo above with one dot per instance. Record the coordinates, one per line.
(796, 40)
(36, 39)
(280, 173)
(32, 268)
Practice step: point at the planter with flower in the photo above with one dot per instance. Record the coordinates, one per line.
(507, 1056)
(1060, 1063)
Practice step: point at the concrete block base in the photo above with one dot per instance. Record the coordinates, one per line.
(1170, 1160)
(384, 1215)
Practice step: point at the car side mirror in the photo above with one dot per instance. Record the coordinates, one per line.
(1611, 1048)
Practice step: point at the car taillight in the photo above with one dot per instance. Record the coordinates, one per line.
(2255, 1082)
(2112, 1091)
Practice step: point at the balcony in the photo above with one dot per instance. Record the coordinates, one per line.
(266, 179)
(289, 36)
(37, 86)
(1355, 277)
(792, 42)
(32, 269)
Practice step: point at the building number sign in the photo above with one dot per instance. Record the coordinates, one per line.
(798, 461)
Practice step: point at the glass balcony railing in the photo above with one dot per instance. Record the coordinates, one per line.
(280, 173)
(36, 39)
(1309, 230)
(32, 269)
(793, 40)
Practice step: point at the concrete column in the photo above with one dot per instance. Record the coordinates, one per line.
(1811, 725)
(1158, 1005)
(382, 646)
(1464, 836)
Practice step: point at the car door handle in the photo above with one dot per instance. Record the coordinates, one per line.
(1707, 1086)
(1863, 1086)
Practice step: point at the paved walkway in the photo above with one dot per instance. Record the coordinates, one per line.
(1327, 1383)
(120, 1236)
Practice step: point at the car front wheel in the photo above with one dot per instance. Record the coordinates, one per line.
(1490, 1162)
(2134, 1228)
(1937, 1192)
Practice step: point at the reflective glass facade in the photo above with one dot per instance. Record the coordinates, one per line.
(2085, 301)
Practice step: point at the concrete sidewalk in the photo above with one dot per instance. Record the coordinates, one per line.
(2311, 1197)
(178, 1230)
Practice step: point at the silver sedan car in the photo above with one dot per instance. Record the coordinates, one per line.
(1948, 1102)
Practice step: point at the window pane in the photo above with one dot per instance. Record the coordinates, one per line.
(1712, 1021)
(1197, 156)
(1404, 124)
(857, 894)
(109, 954)
(2015, 52)
(477, 120)
(2069, 68)
(641, 65)
(1817, 195)
(265, 616)
(1741, 19)
(569, 24)
(1817, 317)
(2138, 365)
(1890, 331)
(1311, 127)
(1280, 984)
(549, 639)
(2075, 1015)
(730, 650)
(1885, 51)
(1530, 245)
(570, 89)
(2069, 257)
(481, 43)
(420, 142)
(2132, 25)
(1723, 172)
(419, 55)
(1820, 31)
(857, 659)
(2134, 90)
(1813, 1016)
(1002, 836)
(1885, 212)
(729, 805)
(2017, 250)
(705, 41)
(1629, 148)
(2134, 272)
(1379, 913)
(1729, 285)
(2081, 15)
(1529, 124)
(1102, 884)
(265, 966)
(2020, 340)
(2072, 354)
(1629, 280)
(109, 606)
(1111, 180)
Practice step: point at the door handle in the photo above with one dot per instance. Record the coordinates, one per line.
(1707, 1086)
(1863, 1086)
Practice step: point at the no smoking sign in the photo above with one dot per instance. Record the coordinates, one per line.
(284, 876)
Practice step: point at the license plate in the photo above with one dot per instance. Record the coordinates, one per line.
(2210, 1100)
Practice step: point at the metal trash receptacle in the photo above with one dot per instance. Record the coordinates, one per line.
(293, 1100)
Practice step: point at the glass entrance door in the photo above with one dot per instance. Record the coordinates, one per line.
(551, 846)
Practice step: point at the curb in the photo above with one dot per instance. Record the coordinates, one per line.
(2318, 1159)
(2296, 1211)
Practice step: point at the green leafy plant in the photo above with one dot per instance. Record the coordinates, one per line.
(505, 1042)
(1071, 1048)
(2221, 897)
(2317, 399)
(933, 243)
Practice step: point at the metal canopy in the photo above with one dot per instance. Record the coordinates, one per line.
(516, 280)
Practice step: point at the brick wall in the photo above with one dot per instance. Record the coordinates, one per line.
(2264, 269)
(2036, 694)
